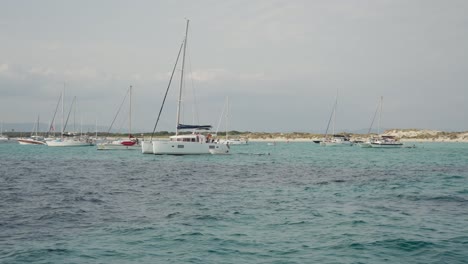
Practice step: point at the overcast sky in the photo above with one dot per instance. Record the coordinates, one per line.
(280, 63)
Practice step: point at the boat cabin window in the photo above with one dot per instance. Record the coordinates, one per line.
(186, 139)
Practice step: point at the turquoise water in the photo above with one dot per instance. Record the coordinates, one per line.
(289, 203)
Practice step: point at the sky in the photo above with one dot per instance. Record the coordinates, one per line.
(281, 64)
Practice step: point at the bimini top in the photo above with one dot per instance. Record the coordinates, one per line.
(203, 127)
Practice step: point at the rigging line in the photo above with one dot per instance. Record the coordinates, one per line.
(380, 114)
(221, 117)
(329, 120)
(167, 90)
(118, 111)
(373, 118)
(69, 112)
(123, 121)
(179, 101)
(55, 113)
(33, 129)
(195, 104)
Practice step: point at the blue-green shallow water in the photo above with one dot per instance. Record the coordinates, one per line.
(303, 203)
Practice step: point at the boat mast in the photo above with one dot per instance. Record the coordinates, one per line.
(167, 90)
(63, 112)
(334, 111)
(37, 125)
(181, 79)
(96, 127)
(334, 119)
(74, 120)
(130, 114)
(380, 115)
(227, 116)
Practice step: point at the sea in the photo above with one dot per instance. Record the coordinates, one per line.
(283, 203)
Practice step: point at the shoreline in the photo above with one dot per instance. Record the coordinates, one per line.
(404, 140)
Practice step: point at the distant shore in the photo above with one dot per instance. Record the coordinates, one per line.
(409, 140)
(404, 135)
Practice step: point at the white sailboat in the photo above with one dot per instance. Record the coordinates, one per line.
(131, 143)
(186, 144)
(68, 140)
(34, 139)
(2, 137)
(227, 140)
(381, 141)
(334, 139)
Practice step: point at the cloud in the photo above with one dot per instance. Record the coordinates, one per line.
(217, 75)
(211, 75)
(4, 68)
(39, 71)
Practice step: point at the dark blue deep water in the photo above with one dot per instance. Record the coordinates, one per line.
(302, 203)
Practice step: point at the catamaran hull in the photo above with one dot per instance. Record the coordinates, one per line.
(68, 143)
(188, 148)
(147, 147)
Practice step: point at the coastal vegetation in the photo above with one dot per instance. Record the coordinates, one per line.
(403, 134)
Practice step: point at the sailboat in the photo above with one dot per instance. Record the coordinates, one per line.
(68, 139)
(125, 144)
(2, 137)
(227, 140)
(185, 144)
(335, 139)
(381, 141)
(35, 139)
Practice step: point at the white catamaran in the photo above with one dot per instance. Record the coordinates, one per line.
(184, 144)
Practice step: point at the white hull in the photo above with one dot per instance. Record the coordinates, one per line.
(233, 142)
(30, 142)
(68, 143)
(365, 145)
(336, 144)
(377, 145)
(188, 148)
(110, 146)
(147, 147)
